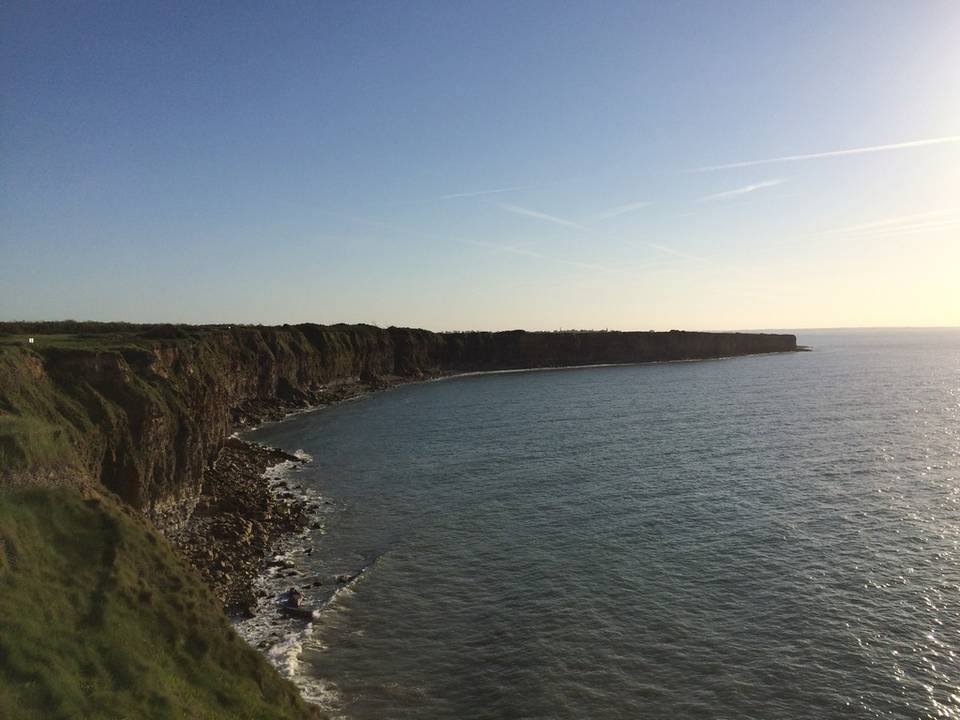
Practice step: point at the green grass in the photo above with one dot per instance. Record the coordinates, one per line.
(33, 429)
(99, 619)
(29, 441)
(53, 408)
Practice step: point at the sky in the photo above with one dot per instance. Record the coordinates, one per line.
(482, 165)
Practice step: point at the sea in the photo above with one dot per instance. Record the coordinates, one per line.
(773, 536)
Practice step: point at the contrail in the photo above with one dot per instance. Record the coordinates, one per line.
(743, 190)
(517, 210)
(514, 250)
(621, 210)
(834, 153)
(480, 193)
(671, 251)
(476, 193)
(511, 249)
(886, 223)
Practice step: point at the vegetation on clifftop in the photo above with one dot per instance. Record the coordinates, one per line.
(99, 619)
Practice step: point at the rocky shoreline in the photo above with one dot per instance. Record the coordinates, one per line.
(238, 520)
(240, 516)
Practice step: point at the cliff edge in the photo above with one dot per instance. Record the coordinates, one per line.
(142, 410)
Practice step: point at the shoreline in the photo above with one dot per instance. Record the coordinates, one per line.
(243, 548)
(238, 519)
(241, 517)
(146, 418)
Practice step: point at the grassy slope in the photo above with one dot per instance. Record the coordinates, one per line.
(99, 619)
(30, 433)
(41, 425)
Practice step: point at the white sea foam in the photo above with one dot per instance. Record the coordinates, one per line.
(276, 472)
(285, 654)
(282, 638)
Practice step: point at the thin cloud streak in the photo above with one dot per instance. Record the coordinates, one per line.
(677, 253)
(511, 249)
(481, 193)
(698, 259)
(526, 212)
(909, 229)
(621, 210)
(477, 193)
(922, 228)
(833, 153)
(886, 223)
(633, 271)
(514, 250)
(911, 224)
(727, 194)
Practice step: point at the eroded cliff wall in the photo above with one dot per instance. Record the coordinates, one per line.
(143, 410)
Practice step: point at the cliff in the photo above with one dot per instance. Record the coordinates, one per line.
(143, 410)
(111, 432)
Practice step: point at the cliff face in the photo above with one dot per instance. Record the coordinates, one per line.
(144, 411)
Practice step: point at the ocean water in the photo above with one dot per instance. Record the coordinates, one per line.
(761, 537)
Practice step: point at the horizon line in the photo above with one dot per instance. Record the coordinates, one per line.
(511, 329)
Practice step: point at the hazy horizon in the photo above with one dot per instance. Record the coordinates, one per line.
(698, 166)
(839, 328)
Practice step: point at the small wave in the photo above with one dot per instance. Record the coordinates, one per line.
(275, 472)
(280, 636)
(285, 655)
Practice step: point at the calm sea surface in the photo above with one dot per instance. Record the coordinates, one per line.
(761, 537)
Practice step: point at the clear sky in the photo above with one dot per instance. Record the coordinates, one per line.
(482, 165)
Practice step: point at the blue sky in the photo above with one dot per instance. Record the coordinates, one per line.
(482, 165)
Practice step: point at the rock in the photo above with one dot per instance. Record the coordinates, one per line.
(293, 598)
(248, 606)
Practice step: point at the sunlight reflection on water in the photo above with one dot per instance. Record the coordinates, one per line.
(760, 537)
